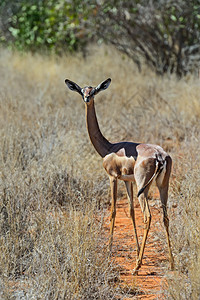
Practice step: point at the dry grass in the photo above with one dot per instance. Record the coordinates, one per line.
(52, 180)
(184, 283)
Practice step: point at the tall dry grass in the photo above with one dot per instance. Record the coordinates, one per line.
(184, 283)
(53, 183)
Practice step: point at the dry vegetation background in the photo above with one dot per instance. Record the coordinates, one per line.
(52, 182)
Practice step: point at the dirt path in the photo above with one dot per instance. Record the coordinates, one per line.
(150, 277)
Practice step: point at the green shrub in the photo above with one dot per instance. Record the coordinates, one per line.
(163, 34)
(52, 25)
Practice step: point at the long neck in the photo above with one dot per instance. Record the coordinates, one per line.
(100, 143)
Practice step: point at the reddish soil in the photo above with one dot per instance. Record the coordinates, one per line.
(150, 277)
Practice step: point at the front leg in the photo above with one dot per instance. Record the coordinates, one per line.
(129, 188)
(113, 187)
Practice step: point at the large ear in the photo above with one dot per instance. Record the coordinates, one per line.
(73, 86)
(102, 86)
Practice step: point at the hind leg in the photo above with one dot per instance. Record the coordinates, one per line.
(164, 196)
(163, 186)
(147, 222)
(144, 170)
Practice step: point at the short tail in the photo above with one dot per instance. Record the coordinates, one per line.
(160, 164)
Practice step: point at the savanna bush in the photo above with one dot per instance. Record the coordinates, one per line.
(50, 240)
(52, 181)
(184, 283)
(52, 243)
(43, 25)
(163, 34)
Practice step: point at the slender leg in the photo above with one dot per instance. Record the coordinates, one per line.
(163, 186)
(129, 188)
(143, 171)
(147, 221)
(164, 197)
(113, 186)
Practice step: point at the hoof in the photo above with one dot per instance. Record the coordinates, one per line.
(136, 269)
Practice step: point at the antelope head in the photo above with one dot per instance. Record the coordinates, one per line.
(88, 92)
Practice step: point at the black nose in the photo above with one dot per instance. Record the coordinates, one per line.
(87, 99)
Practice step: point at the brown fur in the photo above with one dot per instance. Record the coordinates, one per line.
(116, 165)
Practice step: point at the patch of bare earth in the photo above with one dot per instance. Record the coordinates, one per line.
(148, 283)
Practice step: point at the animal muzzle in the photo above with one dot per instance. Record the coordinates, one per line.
(87, 99)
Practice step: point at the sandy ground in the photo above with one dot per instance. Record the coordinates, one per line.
(150, 278)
